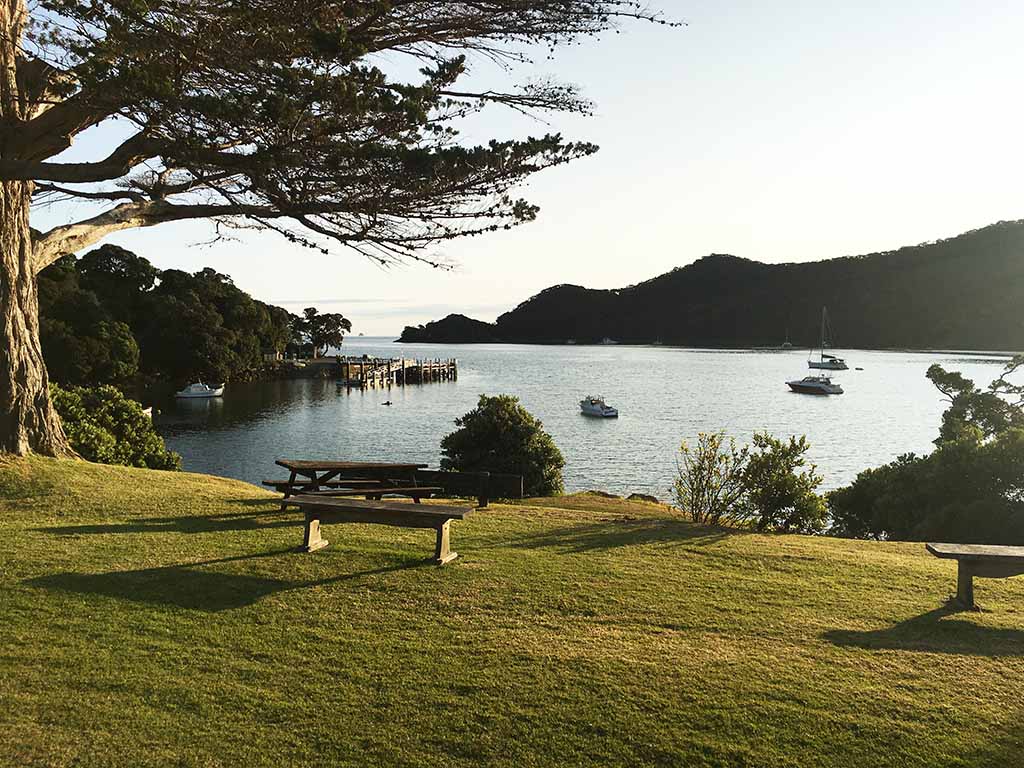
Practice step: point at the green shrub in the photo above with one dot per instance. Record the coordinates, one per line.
(969, 490)
(500, 435)
(104, 426)
(966, 491)
(709, 485)
(719, 484)
(778, 497)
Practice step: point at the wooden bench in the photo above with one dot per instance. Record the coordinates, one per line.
(985, 561)
(321, 510)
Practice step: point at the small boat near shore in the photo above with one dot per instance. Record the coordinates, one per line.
(200, 390)
(815, 385)
(596, 406)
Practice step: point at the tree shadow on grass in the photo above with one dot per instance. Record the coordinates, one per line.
(235, 521)
(196, 586)
(623, 532)
(935, 632)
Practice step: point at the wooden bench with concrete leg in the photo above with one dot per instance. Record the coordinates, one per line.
(986, 561)
(325, 510)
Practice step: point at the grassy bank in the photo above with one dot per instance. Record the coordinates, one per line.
(163, 619)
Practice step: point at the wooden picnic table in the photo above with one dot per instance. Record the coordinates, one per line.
(318, 474)
(986, 561)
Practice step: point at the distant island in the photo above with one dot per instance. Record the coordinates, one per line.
(965, 292)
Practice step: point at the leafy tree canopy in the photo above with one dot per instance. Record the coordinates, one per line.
(284, 114)
(319, 331)
(976, 412)
(970, 489)
(111, 315)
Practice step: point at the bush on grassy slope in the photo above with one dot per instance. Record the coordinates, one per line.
(106, 427)
(500, 435)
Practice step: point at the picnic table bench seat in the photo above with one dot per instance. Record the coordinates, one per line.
(986, 561)
(377, 492)
(320, 510)
(282, 485)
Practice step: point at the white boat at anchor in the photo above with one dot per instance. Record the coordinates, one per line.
(596, 406)
(825, 361)
(200, 390)
(815, 385)
(829, 363)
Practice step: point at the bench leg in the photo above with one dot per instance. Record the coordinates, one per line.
(965, 585)
(442, 554)
(312, 540)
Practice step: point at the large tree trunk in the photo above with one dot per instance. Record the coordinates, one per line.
(28, 422)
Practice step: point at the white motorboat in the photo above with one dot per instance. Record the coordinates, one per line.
(815, 385)
(826, 362)
(200, 390)
(596, 406)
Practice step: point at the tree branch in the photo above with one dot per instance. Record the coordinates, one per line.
(116, 194)
(117, 164)
(71, 238)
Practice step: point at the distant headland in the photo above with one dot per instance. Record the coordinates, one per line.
(965, 292)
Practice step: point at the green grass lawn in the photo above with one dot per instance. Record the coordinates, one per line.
(151, 618)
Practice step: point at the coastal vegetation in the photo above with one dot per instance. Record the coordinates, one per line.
(767, 487)
(156, 618)
(106, 427)
(970, 489)
(961, 293)
(111, 317)
(500, 435)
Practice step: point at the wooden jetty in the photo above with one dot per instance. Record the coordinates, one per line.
(363, 372)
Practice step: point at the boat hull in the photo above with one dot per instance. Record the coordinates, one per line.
(805, 388)
(611, 413)
(827, 365)
(187, 395)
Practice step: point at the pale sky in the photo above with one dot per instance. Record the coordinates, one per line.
(796, 132)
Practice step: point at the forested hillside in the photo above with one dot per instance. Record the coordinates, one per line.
(963, 292)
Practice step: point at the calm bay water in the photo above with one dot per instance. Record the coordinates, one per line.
(664, 395)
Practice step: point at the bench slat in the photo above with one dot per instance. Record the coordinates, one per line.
(330, 504)
(976, 551)
(301, 482)
(421, 490)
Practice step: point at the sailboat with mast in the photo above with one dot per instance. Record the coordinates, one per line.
(826, 361)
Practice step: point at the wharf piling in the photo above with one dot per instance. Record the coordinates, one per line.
(364, 372)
